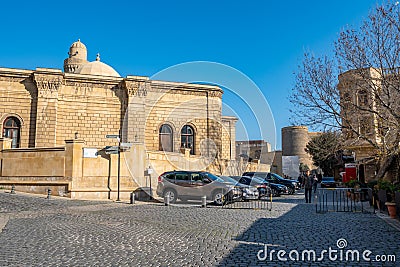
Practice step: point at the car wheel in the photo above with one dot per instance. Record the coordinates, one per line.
(171, 195)
(219, 198)
(291, 190)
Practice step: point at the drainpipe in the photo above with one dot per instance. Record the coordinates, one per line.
(208, 130)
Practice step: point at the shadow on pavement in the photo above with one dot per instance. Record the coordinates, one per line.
(303, 229)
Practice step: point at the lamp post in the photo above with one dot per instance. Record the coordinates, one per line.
(119, 163)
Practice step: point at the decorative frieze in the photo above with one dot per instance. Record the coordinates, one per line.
(182, 91)
(143, 89)
(136, 88)
(47, 85)
(12, 79)
(89, 85)
(131, 87)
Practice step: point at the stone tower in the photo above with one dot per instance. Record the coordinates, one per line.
(77, 57)
(294, 141)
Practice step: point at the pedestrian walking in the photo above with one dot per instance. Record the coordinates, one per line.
(308, 185)
(315, 183)
(300, 179)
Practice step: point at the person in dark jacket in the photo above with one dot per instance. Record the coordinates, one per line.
(315, 183)
(308, 182)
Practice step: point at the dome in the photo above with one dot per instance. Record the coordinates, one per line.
(78, 44)
(97, 68)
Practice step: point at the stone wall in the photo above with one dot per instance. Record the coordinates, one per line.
(66, 171)
(17, 98)
(180, 104)
(55, 106)
(228, 137)
(92, 112)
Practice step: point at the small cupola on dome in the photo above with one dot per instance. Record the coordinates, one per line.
(97, 68)
(77, 56)
(78, 50)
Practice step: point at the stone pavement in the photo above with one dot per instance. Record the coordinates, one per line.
(35, 231)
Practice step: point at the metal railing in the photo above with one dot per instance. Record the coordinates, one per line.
(262, 203)
(342, 200)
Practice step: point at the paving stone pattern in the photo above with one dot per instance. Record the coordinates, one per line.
(35, 231)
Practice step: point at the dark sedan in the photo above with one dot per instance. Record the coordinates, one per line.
(292, 185)
(263, 188)
(276, 189)
(328, 182)
(248, 192)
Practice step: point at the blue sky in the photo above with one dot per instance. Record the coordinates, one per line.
(265, 40)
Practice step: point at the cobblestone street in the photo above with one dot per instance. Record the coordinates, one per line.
(35, 231)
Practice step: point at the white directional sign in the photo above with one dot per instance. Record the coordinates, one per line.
(89, 152)
(112, 136)
(126, 145)
(112, 150)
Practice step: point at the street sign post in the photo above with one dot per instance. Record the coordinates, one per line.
(117, 150)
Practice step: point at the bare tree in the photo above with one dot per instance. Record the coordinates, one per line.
(364, 104)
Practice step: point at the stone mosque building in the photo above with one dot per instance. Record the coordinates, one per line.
(60, 128)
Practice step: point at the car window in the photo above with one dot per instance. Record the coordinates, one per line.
(196, 177)
(182, 176)
(213, 177)
(245, 181)
(170, 176)
(229, 179)
(258, 180)
(276, 176)
(260, 174)
(253, 182)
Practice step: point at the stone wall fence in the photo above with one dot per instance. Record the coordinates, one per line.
(65, 170)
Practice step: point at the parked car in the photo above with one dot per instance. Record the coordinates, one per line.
(276, 189)
(276, 179)
(248, 192)
(262, 187)
(192, 185)
(328, 182)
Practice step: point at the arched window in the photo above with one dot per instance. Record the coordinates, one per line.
(12, 129)
(165, 138)
(187, 138)
(362, 98)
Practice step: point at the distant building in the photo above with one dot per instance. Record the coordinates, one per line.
(275, 157)
(362, 92)
(294, 141)
(253, 150)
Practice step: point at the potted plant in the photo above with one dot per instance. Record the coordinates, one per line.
(392, 209)
(372, 193)
(397, 197)
(390, 197)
